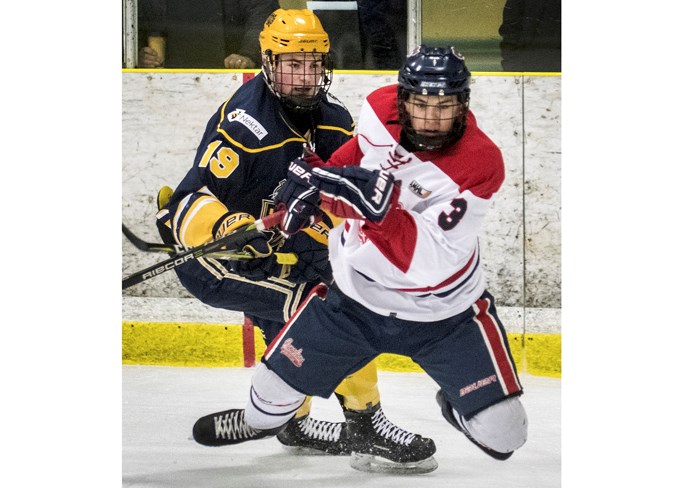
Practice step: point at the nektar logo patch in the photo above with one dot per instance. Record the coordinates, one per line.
(241, 116)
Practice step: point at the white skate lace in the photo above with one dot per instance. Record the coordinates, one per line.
(389, 430)
(233, 426)
(321, 429)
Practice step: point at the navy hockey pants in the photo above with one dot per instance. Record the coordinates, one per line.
(268, 303)
(329, 338)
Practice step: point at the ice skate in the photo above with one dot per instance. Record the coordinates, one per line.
(307, 435)
(227, 427)
(449, 416)
(378, 445)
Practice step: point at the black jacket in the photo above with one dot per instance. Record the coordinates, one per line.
(532, 35)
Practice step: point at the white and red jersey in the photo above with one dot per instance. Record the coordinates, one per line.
(422, 262)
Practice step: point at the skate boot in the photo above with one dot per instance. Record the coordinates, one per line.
(227, 427)
(449, 416)
(316, 436)
(378, 445)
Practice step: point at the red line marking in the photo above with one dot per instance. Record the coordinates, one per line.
(248, 344)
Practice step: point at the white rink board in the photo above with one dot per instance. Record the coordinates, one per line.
(163, 119)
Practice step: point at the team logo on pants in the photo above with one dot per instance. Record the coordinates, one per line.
(294, 355)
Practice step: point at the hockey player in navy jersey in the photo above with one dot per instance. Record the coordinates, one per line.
(240, 164)
(413, 185)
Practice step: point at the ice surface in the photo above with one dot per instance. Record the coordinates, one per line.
(160, 405)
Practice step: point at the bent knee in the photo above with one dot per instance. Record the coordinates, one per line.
(501, 427)
(272, 402)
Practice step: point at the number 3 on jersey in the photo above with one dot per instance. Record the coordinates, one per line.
(221, 163)
(449, 220)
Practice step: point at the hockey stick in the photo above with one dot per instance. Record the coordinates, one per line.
(148, 246)
(282, 258)
(217, 248)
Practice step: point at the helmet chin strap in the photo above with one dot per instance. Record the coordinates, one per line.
(298, 103)
(427, 142)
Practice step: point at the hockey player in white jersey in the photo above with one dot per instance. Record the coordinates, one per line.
(413, 187)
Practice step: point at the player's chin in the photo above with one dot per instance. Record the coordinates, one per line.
(302, 100)
(432, 135)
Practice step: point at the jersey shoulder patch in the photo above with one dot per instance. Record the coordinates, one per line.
(249, 119)
(240, 115)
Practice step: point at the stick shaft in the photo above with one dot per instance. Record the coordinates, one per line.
(234, 240)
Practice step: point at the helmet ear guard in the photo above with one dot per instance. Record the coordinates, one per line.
(296, 34)
(433, 72)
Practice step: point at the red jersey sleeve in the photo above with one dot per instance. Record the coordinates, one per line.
(349, 154)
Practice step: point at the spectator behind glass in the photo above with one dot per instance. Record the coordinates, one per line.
(202, 33)
(383, 32)
(532, 35)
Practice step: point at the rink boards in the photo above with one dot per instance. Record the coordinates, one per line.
(184, 332)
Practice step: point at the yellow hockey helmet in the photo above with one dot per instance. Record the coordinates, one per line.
(295, 58)
(293, 31)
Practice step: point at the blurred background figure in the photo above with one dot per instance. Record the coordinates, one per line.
(531, 35)
(383, 33)
(365, 34)
(201, 33)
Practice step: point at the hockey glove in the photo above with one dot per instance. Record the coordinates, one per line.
(257, 245)
(313, 256)
(259, 269)
(356, 193)
(299, 199)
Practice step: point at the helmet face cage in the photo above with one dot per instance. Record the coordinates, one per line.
(296, 60)
(431, 121)
(300, 80)
(433, 97)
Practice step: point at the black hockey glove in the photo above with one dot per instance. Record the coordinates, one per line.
(313, 259)
(299, 199)
(257, 245)
(259, 269)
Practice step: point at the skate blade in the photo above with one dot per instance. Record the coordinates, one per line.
(304, 451)
(375, 464)
(312, 451)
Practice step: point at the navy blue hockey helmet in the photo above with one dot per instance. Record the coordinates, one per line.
(431, 75)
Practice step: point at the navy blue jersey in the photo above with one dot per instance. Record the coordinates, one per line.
(240, 162)
(249, 142)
